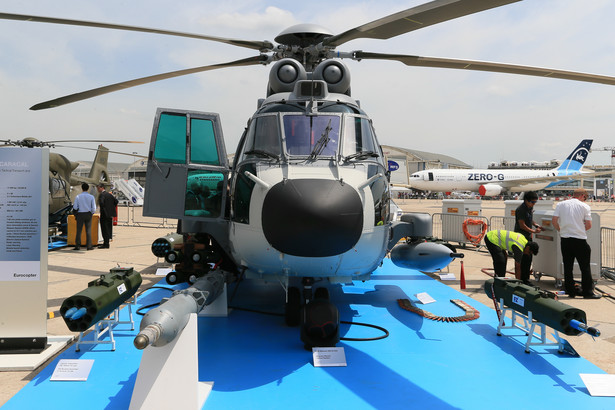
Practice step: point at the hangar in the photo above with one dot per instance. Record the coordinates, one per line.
(407, 161)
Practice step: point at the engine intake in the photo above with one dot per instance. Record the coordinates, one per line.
(284, 75)
(490, 190)
(335, 74)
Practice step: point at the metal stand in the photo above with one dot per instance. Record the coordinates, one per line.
(529, 327)
(107, 325)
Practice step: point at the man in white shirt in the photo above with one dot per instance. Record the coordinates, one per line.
(572, 218)
(84, 206)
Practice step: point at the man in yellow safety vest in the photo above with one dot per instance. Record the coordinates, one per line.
(499, 242)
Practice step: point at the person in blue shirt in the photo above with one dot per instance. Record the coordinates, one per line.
(84, 207)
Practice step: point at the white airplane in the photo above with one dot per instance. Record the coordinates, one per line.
(489, 182)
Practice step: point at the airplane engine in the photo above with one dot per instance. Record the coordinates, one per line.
(284, 75)
(335, 74)
(490, 190)
(423, 256)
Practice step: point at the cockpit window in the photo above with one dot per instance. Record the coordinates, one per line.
(203, 148)
(312, 135)
(263, 137)
(358, 137)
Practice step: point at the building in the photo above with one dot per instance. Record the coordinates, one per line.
(404, 162)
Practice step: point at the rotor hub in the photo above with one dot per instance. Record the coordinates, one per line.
(303, 35)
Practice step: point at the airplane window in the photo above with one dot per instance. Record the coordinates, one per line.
(171, 139)
(203, 148)
(358, 136)
(263, 137)
(305, 133)
(204, 190)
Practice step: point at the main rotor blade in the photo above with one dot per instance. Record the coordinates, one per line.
(255, 45)
(486, 66)
(84, 95)
(105, 141)
(414, 18)
(110, 152)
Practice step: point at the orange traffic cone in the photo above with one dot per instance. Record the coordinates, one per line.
(462, 279)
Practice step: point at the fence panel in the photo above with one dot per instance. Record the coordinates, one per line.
(449, 227)
(607, 239)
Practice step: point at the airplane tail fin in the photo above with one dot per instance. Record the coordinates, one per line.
(576, 159)
(98, 172)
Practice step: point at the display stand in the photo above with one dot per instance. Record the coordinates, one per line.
(106, 326)
(219, 307)
(529, 327)
(171, 368)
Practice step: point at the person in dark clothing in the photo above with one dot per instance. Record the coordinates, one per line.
(107, 203)
(524, 216)
(525, 225)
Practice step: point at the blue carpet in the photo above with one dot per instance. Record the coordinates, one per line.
(256, 362)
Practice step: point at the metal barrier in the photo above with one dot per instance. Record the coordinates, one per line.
(607, 240)
(502, 222)
(127, 218)
(449, 227)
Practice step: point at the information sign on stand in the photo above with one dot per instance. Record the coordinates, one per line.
(24, 212)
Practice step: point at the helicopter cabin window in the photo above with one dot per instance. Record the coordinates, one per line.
(242, 194)
(263, 138)
(358, 136)
(171, 139)
(203, 147)
(204, 190)
(57, 187)
(312, 135)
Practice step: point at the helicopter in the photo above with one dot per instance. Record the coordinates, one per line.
(306, 198)
(61, 178)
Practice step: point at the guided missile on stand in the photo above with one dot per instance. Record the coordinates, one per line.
(162, 324)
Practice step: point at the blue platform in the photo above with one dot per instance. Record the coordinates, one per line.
(256, 362)
(56, 243)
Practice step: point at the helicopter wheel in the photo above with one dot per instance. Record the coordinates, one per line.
(292, 309)
(321, 293)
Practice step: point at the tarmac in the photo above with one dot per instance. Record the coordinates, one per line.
(70, 271)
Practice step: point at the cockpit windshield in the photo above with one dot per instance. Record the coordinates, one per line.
(359, 140)
(312, 135)
(263, 139)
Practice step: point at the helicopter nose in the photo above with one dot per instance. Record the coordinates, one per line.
(312, 217)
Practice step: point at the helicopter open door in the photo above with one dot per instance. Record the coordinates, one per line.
(187, 169)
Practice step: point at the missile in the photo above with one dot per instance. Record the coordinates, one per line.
(162, 324)
(545, 309)
(584, 328)
(70, 312)
(165, 244)
(100, 298)
(423, 256)
(74, 313)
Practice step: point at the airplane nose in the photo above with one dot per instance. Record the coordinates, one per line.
(312, 217)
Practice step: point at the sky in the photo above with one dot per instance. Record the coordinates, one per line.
(475, 117)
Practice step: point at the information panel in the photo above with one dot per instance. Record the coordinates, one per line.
(24, 211)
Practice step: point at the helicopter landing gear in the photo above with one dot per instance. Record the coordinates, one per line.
(292, 309)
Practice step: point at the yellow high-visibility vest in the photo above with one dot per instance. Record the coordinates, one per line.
(507, 239)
